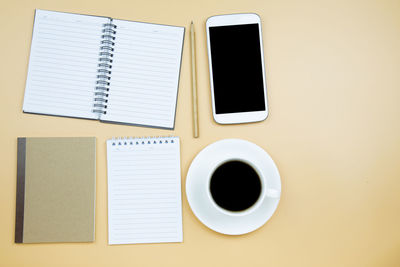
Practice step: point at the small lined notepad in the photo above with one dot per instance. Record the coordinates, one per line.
(144, 190)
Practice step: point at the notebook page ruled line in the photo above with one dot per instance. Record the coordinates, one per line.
(44, 91)
(154, 80)
(147, 98)
(144, 191)
(140, 202)
(53, 62)
(167, 188)
(71, 45)
(68, 19)
(152, 72)
(143, 120)
(149, 57)
(145, 65)
(132, 87)
(52, 39)
(143, 168)
(148, 40)
(143, 114)
(64, 51)
(63, 64)
(134, 187)
(160, 184)
(43, 53)
(64, 70)
(56, 100)
(67, 29)
(60, 81)
(154, 38)
(136, 166)
(144, 92)
(151, 49)
(139, 70)
(70, 35)
(56, 58)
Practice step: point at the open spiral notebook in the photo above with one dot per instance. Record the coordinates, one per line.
(105, 69)
(144, 190)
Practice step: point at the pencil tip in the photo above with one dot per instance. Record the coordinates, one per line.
(192, 22)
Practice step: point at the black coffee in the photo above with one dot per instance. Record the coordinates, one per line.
(235, 186)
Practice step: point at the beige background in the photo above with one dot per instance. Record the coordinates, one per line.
(334, 90)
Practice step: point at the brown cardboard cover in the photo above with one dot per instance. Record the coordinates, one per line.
(59, 190)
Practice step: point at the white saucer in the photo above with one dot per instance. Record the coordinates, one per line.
(197, 183)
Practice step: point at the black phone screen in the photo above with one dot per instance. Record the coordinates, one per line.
(237, 68)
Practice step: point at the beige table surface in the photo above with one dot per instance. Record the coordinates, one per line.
(333, 74)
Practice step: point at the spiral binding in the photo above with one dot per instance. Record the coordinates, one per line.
(145, 140)
(104, 68)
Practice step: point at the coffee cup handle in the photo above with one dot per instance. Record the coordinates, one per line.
(273, 193)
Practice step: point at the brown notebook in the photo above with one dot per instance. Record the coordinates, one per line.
(56, 179)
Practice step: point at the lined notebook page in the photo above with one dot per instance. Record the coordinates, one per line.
(63, 64)
(145, 74)
(144, 190)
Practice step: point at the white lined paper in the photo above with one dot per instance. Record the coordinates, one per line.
(63, 62)
(144, 190)
(145, 74)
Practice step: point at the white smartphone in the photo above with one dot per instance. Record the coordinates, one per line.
(237, 72)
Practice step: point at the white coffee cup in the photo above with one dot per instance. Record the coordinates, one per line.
(266, 191)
